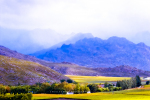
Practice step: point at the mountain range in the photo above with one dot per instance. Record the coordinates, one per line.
(13, 59)
(95, 52)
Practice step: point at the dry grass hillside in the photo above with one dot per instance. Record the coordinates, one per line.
(14, 70)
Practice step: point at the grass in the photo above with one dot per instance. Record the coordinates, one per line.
(132, 94)
(95, 79)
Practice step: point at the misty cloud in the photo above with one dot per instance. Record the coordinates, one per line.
(43, 23)
(103, 18)
(30, 41)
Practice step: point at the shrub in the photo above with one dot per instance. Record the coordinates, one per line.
(103, 90)
(16, 97)
(2, 89)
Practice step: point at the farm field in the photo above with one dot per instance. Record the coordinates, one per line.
(95, 79)
(132, 94)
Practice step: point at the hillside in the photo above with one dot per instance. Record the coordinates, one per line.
(10, 53)
(14, 70)
(95, 52)
(122, 71)
(118, 71)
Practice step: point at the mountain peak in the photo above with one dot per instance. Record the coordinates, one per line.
(118, 40)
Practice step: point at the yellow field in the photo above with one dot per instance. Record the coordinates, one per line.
(134, 94)
(95, 79)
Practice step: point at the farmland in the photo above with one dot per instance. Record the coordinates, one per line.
(132, 94)
(95, 79)
(142, 93)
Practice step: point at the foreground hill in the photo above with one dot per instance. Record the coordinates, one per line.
(95, 52)
(10, 53)
(14, 70)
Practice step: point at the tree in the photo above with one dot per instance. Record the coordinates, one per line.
(147, 82)
(69, 81)
(118, 84)
(133, 82)
(69, 87)
(93, 88)
(77, 89)
(63, 80)
(106, 84)
(138, 81)
(43, 88)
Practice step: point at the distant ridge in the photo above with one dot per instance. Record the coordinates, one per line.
(95, 52)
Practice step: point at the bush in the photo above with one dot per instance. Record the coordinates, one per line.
(103, 90)
(19, 89)
(116, 88)
(27, 96)
(2, 89)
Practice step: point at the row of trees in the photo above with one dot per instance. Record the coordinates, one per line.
(70, 86)
(127, 84)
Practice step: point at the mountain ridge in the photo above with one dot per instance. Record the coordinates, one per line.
(95, 52)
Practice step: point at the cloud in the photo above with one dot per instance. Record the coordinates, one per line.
(102, 18)
(30, 41)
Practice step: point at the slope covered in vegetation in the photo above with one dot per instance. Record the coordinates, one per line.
(14, 71)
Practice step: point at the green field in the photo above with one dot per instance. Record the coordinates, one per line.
(132, 94)
(95, 79)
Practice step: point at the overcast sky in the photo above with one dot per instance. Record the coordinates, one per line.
(102, 18)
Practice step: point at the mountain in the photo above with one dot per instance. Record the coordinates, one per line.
(122, 71)
(9, 64)
(95, 52)
(14, 70)
(118, 71)
(71, 40)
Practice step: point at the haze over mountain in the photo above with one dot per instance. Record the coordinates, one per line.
(95, 52)
(38, 39)
(71, 40)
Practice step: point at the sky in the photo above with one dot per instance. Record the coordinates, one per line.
(47, 22)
